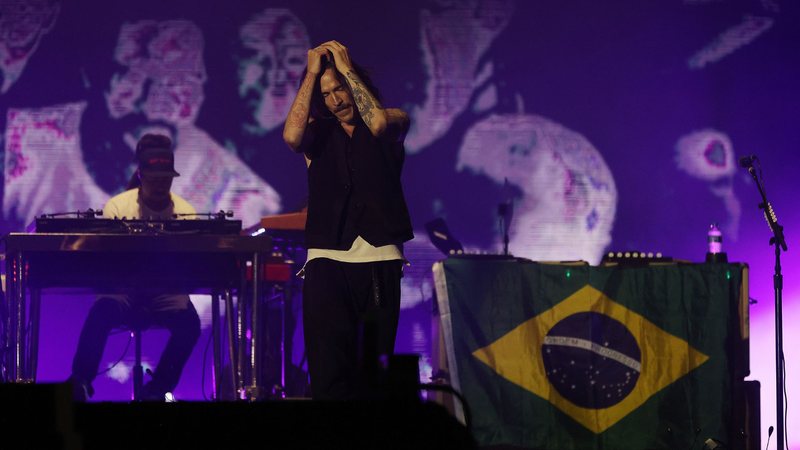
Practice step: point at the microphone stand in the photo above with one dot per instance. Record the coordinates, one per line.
(779, 242)
(505, 211)
(502, 214)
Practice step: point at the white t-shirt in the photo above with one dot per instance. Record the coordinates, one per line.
(361, 251)
(126, 205)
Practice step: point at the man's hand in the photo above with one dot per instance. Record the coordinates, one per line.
(315, 56)
(370, 109)
(340, 56)
(295, 132)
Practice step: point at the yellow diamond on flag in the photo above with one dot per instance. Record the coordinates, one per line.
(591, 357)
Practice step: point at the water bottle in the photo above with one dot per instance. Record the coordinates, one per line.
(715, 253)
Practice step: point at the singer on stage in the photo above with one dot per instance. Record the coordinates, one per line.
(357, 221)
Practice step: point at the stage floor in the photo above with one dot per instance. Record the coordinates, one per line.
(43, 417)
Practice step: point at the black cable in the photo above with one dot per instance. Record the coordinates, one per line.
(124, 353)
(785, 404)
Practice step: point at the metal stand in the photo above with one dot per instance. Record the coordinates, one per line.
(254, 391)
(138, 369)
(779, 242)
(780, 363)
(504, 213)
(287, 318)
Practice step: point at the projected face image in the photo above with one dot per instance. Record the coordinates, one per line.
(568, 193)
(161, 77)
(41, 174)
(731, 40)
(159, 89)
(454, 42)
(22, 25)
(708, 155)
(276, 43)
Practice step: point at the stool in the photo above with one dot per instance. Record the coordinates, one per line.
(136, 327)
(139, 323)
(135, 332)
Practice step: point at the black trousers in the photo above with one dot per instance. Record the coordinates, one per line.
(173, 312)
(350, 314)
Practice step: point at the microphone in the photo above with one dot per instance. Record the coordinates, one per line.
(747, 161)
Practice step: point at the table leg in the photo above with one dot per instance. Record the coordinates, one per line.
(229, 326)
(255, 332)
(287, 318)
(9, 320)
(241, 338)
(215, 331)
(33, 350)
(19, 319)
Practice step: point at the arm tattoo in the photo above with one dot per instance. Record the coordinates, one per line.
(364, 99)
(298, 115)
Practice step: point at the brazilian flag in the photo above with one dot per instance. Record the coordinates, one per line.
(579, 357)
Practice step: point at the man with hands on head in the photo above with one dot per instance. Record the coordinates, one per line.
(357, 221)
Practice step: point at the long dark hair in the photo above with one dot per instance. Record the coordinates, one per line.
(318, 108)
